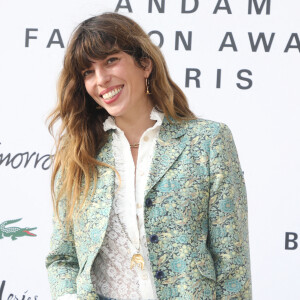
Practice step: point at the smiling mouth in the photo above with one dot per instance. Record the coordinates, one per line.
(112, 93)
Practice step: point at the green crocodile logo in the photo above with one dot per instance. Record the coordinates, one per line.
(15, 232)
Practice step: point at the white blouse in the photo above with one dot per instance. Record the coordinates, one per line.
(125, 234)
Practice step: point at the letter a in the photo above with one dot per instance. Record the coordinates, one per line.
(219, 7)
(231, 44)
(295, 37)
(127, 5)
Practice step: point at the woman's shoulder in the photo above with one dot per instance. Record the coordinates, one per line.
(207, 128)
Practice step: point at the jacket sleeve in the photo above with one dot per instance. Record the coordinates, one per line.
(228, 220)
(61, 262)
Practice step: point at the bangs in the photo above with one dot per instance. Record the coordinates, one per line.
(91, 46)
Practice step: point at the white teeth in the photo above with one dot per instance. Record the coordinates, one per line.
(111, 93)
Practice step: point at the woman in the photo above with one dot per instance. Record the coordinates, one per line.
(150, 201)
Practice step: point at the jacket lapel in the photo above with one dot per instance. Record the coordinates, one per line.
(106, 153)
(100, 207)
(170, 143)
(106, 175)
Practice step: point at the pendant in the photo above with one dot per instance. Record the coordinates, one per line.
(137, 259)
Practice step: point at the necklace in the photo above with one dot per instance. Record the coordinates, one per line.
(134, 145)
(136, 259)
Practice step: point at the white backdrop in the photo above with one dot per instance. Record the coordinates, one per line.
(264, 118)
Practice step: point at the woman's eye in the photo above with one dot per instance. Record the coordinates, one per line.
(86, 73)
(111, 60)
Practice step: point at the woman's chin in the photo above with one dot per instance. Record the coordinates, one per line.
(115, 112)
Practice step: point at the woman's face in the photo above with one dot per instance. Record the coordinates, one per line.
(118, 84)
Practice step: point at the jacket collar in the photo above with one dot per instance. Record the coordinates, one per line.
(169, 145)
(172, 129)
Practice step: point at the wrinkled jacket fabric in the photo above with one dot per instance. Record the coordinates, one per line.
(196, 210)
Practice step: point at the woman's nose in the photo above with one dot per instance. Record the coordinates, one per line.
(102, 77)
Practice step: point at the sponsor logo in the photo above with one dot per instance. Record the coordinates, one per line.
(15, 232)
(291, 241)
(15, 296)
(24, 159)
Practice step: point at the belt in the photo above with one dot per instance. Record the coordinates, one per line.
(100, 297)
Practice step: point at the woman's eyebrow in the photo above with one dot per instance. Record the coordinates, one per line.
(91, 62)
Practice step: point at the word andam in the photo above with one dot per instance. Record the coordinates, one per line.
(191, 6)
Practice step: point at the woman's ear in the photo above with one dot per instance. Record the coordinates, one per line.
(147, 66)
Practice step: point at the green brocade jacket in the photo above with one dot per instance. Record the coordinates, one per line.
(195, 206)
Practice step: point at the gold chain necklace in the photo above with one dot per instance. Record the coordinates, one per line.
(134, 145)
(136, 259)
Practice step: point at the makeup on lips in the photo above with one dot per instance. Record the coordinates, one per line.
(111, 94)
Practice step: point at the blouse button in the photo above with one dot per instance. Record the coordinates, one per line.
(146, 138)
(159, 274)
(149, 202)
(154, 238)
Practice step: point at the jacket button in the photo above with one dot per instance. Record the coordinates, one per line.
(149, 202)
(154, 238)
(159, 274)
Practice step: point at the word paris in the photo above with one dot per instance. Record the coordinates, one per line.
(191, 6)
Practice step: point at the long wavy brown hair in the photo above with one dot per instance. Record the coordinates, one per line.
(81, 135)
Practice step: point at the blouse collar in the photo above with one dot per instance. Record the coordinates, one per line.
(155, 115)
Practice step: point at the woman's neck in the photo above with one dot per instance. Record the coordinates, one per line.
(134, 125)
